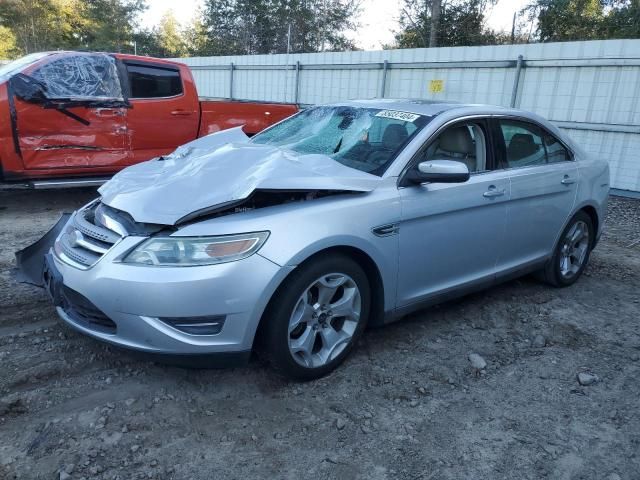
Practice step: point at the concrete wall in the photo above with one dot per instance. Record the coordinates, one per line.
(591, 89)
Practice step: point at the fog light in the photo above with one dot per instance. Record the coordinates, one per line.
(196, 325)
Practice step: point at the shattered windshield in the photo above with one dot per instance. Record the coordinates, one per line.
(20, 64)
(91, 76)
(367, 139)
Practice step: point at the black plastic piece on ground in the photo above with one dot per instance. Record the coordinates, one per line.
(30, 260)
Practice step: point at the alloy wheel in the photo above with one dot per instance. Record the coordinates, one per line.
(574, 249)
(324, 320)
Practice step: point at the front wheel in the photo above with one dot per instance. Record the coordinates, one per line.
(316, 317)
(572, 252)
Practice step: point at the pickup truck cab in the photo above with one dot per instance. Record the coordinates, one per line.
(65, 115)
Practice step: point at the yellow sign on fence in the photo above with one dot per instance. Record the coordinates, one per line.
(436, 86)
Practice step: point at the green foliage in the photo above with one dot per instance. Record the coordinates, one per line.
(112, 24)
(462, 22)
(226, 27)
(195, 35)
(261, 26)
(169, 37)
(567, 20)
(44, 24)
(38, 25)
(622, 20)
(8, 46)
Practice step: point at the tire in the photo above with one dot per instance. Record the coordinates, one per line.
(301, 325)
(557, 271)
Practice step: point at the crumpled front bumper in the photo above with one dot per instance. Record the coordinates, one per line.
(135, 298)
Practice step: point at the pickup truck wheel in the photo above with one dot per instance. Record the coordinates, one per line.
(572, 252)
(317, 317)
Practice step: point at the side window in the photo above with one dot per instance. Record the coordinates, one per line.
(81, 76)
(555, 150)
(153, 82)
(528, 145)
(464, 142)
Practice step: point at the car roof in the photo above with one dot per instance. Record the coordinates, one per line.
(122, 56)
(419, 106)
(433, 108)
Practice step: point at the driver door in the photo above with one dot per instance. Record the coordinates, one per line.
(451, 233)
(82, 122)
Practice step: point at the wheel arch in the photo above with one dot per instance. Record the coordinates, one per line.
(595, 220)
(592, 211)
(363, 259)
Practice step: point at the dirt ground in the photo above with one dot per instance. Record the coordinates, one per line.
(406, 405)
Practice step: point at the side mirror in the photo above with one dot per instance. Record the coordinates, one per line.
(28, 89)
(440, 171)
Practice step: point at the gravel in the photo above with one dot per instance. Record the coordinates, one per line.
(477, 362)
(403, 406)
(586, 379)
(539, 341)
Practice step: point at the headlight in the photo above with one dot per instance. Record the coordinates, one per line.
(194, 251)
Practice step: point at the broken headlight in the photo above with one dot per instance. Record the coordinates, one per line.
(195, 251)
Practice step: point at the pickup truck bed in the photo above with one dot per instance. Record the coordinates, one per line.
(219, 114)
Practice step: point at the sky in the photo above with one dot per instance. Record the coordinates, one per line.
(378, 21)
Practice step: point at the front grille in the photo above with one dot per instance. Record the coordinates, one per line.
(85, 240)
(82, 311)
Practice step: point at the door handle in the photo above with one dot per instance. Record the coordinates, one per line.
(493, 192)
(109, 113)
(567, 180)
(181, 113)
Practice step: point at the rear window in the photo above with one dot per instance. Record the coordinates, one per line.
(153, 82)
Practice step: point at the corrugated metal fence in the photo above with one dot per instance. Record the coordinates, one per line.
(591, 89)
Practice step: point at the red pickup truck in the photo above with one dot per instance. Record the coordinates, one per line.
(70, 116)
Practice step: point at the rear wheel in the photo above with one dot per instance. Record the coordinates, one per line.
(572, 252)
(317, 317)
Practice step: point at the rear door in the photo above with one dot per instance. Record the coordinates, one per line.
(80, 121)
(451, 233)
(543, 190)
(164, 110)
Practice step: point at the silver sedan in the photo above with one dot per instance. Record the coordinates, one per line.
(342, 216)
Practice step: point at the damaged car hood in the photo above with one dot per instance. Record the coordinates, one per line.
(220, 169)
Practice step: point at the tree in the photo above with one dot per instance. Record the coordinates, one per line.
(44, 24)
(8, 46)
(622, 20)
(169, 37)
(262, 26)
(113, 24)
(195, 35)
(38, 25)
(436, 10)
(566, 20)
(461, 22)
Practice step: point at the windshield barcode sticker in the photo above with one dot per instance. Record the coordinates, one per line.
(395, 115)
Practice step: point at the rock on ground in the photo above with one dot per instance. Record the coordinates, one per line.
(477, 361)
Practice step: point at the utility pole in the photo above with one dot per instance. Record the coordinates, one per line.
(513, 28)
(286, 63)
(436, 8)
